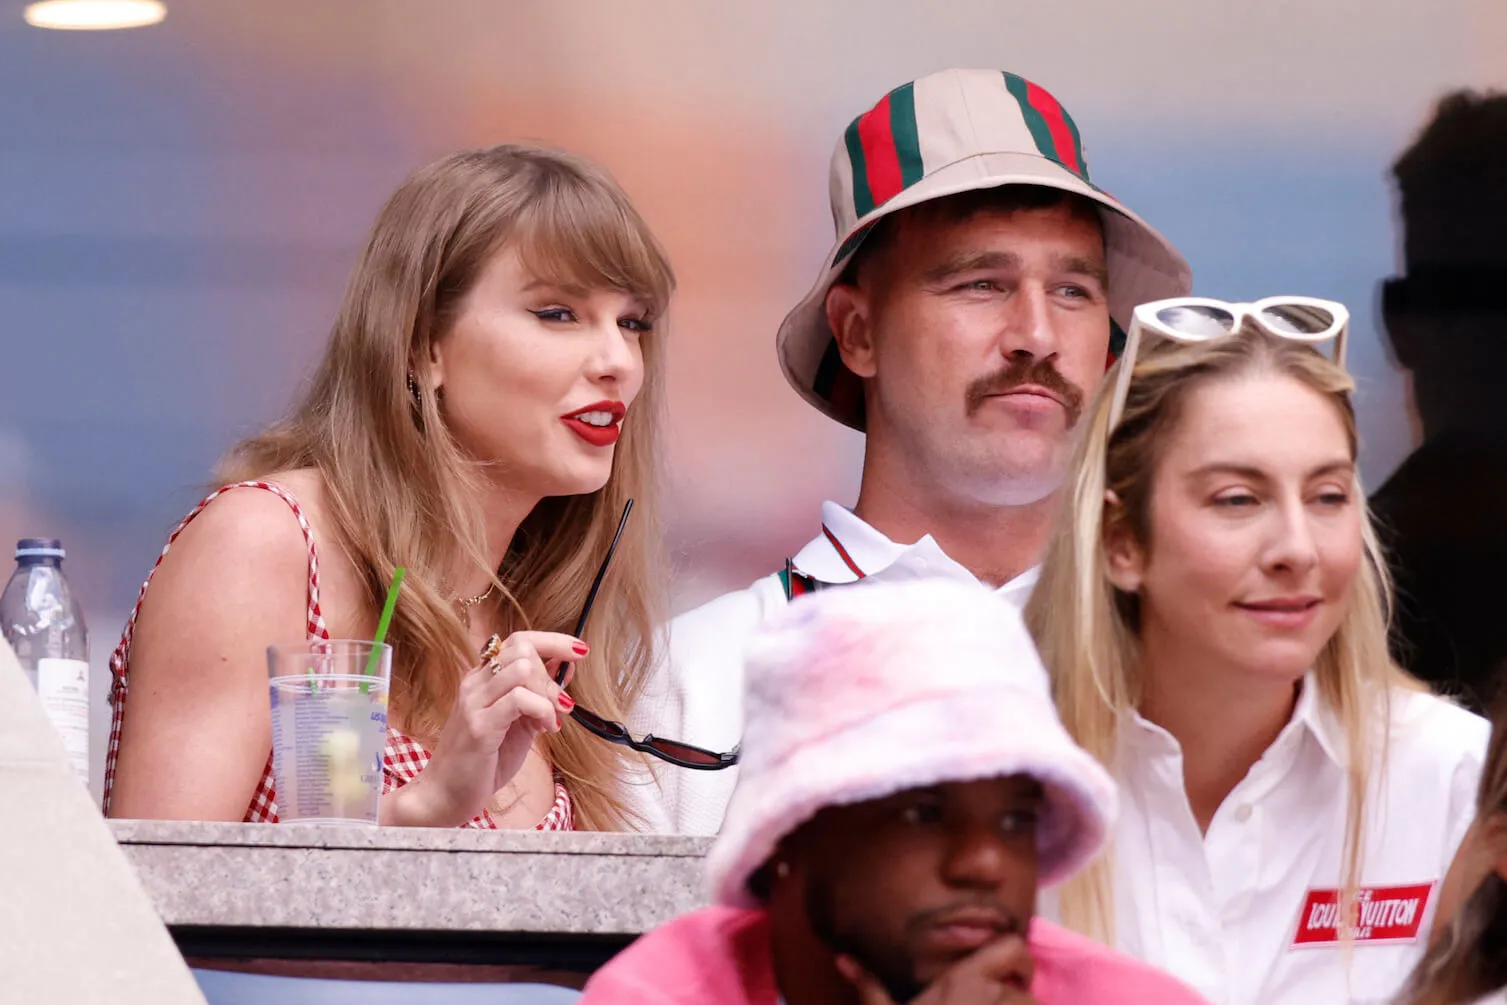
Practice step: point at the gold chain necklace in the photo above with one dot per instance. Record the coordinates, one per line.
(465, 604)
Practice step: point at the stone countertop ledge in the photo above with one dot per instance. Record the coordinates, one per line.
(398, 878)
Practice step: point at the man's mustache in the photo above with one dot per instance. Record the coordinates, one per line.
(1023, 371)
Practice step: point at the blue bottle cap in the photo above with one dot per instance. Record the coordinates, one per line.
(40, 547)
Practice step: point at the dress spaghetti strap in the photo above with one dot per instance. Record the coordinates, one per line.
(403, 757)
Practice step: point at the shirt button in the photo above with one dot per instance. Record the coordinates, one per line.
(1243, 813)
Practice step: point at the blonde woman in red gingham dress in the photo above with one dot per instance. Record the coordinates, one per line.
(487, 403)
(402, 759)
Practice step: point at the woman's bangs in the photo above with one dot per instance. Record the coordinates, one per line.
(574, 235)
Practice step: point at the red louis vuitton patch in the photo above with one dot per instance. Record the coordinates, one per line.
(1380, 914)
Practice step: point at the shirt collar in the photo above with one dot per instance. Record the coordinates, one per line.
(1310, 715)
(1314, 713)
(882, 560)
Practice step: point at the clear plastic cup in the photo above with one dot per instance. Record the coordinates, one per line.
(329, 727)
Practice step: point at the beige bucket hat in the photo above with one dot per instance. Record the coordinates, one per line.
(952, 132)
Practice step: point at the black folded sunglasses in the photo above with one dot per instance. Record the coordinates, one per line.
(683, 755)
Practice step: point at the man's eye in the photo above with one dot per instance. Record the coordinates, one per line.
(1019, 820)
(921, 813)
(1238, 500)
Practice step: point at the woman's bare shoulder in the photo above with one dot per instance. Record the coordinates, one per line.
(235, 579)
(244, 539)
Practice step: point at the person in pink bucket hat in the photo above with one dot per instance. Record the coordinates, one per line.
(906, 789)
(978, 285)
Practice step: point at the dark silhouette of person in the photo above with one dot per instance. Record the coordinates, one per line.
(1444, 511)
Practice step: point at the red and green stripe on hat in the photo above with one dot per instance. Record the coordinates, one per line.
(888, 151)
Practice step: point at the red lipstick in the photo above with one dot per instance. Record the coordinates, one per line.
(599, 424)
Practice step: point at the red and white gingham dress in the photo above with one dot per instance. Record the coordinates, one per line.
(402, 759)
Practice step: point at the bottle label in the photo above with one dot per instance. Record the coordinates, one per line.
(64, 688)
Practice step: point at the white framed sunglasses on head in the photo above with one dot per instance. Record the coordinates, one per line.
(1201, 319)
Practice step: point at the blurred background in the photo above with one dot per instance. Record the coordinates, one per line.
(179, 206)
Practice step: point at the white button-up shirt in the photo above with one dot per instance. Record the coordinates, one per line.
(697, 695)
(1235, 912)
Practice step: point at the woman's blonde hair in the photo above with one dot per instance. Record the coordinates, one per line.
(401, 491)
(1087, 630)
(1469, 959)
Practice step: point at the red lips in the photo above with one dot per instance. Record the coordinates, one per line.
(599, 424)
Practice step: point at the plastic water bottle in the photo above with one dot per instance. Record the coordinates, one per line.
(43, 624)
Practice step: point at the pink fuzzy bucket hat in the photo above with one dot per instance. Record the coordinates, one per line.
(856, 693)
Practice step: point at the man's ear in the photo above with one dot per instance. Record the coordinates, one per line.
(848, 317)
(773, 878)
(1122, 552)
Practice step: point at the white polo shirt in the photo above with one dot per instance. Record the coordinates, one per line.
(697, 696)
(1244, 913)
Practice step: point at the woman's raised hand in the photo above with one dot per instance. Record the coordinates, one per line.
(503, 703)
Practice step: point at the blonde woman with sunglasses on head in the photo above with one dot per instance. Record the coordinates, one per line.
(1213, 611)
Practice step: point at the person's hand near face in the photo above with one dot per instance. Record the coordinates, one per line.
(998, 974)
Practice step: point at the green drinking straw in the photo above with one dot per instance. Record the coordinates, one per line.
(383, 622)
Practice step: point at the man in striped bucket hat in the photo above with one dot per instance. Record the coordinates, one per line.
(978, 284)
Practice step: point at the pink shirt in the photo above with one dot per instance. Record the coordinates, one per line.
(721, 956)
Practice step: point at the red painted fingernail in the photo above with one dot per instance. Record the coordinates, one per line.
(567, 702)
(580, 649)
